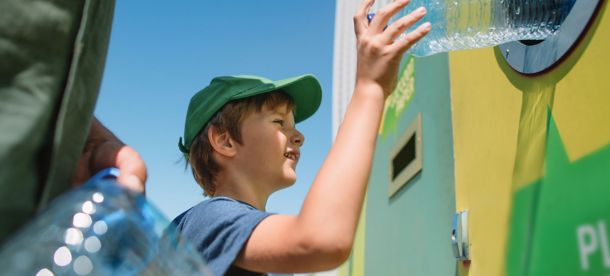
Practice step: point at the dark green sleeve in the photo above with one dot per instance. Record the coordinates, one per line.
(52, 57)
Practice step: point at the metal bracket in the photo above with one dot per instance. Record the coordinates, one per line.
(459, 236)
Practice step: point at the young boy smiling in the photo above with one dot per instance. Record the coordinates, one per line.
(241, 142)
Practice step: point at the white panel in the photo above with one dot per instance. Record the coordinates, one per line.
(344, 56)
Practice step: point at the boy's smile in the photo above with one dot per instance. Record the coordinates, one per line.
(271, 147)
(292, 155)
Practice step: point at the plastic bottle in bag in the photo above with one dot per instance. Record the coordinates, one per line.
(466, 24)
(100, 228)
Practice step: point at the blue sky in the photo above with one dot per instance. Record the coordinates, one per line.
(161, 54)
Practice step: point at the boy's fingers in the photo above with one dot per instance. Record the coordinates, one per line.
(404, 42)
(382, 17)
(402, 24)
(360, 18)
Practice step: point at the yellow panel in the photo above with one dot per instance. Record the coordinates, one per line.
(354, 266)
(358, 253)
(582, 100)
(486, 110)
(497, 115)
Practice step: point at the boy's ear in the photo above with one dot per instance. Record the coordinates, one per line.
(221, 142)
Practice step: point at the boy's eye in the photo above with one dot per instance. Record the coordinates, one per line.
(280, 122)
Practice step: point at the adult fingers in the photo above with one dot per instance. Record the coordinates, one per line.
(132, 169)
(404, 42)
(402, 24)
(382, 17)
(131, 182)
(360, 18)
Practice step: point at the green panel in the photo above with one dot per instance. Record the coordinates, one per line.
(409, 234)
(522, 221)
(560, 222)
(573, 214)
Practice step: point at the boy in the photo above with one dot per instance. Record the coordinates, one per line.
(242, 144)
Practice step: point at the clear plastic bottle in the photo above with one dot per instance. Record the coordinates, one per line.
(100, 228)
(466, 24)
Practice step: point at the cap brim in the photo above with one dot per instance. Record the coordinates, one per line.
(306, 93)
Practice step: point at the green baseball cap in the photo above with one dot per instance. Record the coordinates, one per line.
(304, 90)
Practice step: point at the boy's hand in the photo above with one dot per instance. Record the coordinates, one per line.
(380, 48)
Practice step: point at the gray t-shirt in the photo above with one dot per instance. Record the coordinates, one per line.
(219, 227)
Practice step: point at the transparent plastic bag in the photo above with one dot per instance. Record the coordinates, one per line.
(100, 228)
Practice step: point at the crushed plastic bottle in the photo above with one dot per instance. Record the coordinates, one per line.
(100, 228)
(467, 24)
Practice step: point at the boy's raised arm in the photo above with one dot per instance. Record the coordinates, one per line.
(320, 237)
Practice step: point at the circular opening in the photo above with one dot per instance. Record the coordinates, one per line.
(549, 12)
(569, 17)
(531, 42)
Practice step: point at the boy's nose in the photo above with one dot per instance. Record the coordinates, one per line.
(298, 138)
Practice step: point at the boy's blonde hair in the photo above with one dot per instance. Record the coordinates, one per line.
(228, 119)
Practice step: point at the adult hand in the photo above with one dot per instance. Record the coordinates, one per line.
(380, 48)
(103, 150)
